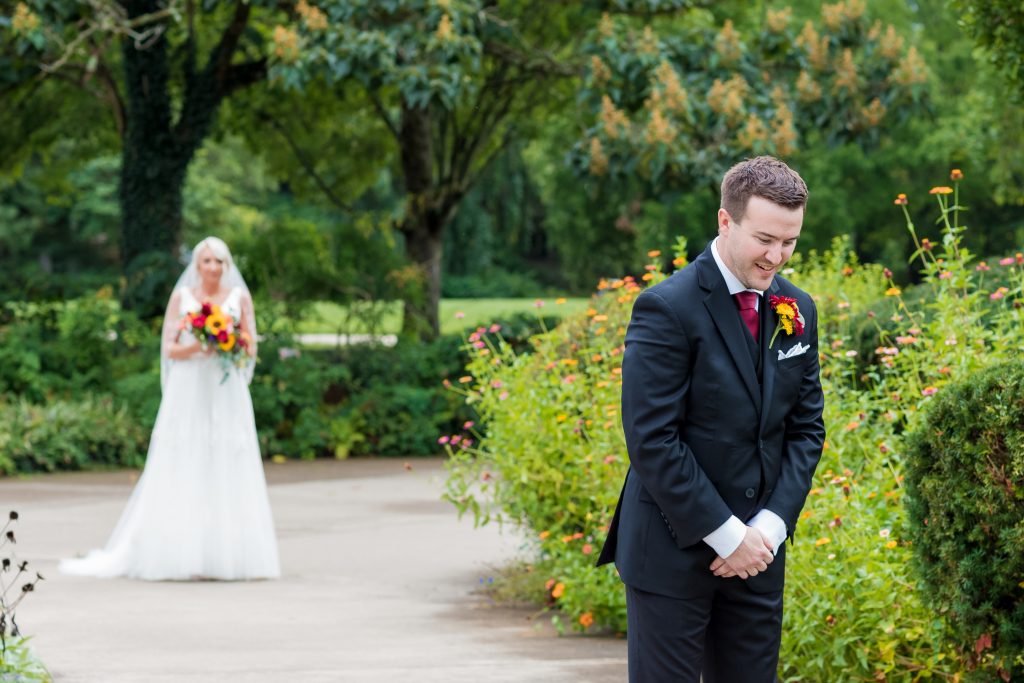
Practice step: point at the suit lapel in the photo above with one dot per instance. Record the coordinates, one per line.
(768, 356)
(723, 312)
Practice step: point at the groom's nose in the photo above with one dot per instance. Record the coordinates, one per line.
(773, 255)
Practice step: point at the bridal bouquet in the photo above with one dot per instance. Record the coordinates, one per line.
(214, 328)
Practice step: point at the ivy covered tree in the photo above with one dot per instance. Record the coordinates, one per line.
(163, 68)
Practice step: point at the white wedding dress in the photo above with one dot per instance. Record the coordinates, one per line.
(200, 508)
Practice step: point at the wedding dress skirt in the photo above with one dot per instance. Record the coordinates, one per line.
(200, 508)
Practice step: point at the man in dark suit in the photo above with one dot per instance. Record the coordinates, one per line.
(721, 407)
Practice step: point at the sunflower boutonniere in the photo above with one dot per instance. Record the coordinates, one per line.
(790, 318)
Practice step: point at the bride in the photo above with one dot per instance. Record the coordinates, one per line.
(200, 509)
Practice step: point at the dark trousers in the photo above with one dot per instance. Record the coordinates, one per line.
(729, 636)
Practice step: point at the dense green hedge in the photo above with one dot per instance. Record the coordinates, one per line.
(81, 387)
(965, 498)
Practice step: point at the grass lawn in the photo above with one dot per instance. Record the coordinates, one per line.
(327, 317)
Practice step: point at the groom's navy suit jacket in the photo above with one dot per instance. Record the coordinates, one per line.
(715, 425)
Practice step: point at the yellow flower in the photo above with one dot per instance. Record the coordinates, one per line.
(941, 190)
(227, 344)
(892, 291)
(216, 322)
(891, 544)
(824, 540)
(956, 174)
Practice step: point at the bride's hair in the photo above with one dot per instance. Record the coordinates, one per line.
(219, 249)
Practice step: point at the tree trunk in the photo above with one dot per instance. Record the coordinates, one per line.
(158, 150)
(152, 175)
(423, 226)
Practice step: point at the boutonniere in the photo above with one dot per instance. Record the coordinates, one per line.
(790, 318)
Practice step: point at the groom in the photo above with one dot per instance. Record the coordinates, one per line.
(721, 407)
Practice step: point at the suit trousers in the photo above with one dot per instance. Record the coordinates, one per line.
(731, 635)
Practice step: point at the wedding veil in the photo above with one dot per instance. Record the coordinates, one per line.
(189, 279)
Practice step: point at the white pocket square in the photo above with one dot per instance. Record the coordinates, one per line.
(797, 350)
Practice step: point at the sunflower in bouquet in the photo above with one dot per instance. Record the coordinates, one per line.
(214, 328)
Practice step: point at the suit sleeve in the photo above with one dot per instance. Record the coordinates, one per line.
(804, 436)
(655, 382)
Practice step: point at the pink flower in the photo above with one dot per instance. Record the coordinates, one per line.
(469, 424)
(851, 354)
(479, 344)
(496, 384)
(884, 533)
(443, 440)
(538, 303)
(456, 439)
(882, 448)
(502, 396)
(569, 379)
(494, 328)
(998, 294)
(982, 267)
(887, 273)
(459, 315)
(475, 337)
(945, 275)
(1008, 261)
(587, 548)
(467, 443)
(609, 459)
(951, 341)
(928, 391)
(906, 340)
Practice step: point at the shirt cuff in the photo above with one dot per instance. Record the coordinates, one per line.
(726, 538)
(772, 526)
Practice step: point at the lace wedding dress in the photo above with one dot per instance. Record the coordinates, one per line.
(200, 508)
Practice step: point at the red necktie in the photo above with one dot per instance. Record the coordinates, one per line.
(747, 303)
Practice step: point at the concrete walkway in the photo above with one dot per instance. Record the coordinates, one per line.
(379, 585)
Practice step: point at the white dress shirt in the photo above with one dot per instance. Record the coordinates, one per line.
(727, 538)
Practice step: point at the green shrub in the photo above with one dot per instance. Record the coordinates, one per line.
(965, 485)
(67, 347)
(69, 435)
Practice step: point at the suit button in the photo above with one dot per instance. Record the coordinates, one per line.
(750, 493)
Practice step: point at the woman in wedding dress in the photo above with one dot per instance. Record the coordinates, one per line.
(200, 508)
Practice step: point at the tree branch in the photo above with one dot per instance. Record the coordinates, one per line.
(379, 106)
(304, 161)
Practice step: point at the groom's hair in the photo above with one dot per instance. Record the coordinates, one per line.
(764, 177)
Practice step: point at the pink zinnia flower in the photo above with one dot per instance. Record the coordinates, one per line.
(928, 391)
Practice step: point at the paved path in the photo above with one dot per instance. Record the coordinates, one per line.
(379, 586)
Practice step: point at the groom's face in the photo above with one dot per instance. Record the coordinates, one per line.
(759, 245)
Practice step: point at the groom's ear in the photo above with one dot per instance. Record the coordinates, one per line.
(724, 222)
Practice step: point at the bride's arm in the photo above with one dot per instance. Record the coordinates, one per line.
(169, 341)
(248, 323)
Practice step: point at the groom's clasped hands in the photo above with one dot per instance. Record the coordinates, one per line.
(753, 556)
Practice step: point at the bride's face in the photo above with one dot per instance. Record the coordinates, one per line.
(210, 267)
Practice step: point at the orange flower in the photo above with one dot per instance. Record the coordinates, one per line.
(549, 584)
(544, 534)
(654, 253)
(900, 199)
(558, 591)
(956, 174)
(941, 190)
(891, 544)
(824, 540)
(586, 619)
